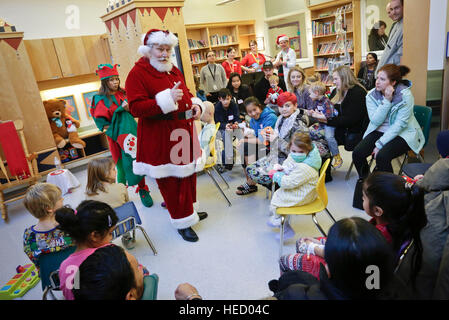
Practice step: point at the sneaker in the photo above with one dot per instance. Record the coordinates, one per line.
(288, 232)
(128, 242)
(274, 221)
(338, 161)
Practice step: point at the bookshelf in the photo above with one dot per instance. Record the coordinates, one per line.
(218, 37)
(326, 42)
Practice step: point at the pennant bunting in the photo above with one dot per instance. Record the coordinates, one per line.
(116, 21)
(132, 14)
(13, 42)
(161, 12)
(108, 25)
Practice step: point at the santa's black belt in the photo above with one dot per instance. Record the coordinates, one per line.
(185, 115)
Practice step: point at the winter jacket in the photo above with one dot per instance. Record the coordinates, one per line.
(432, 281)
(399, 113)
(267, 118)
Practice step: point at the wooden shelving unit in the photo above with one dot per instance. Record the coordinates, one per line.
(218, 37)
(324, 35)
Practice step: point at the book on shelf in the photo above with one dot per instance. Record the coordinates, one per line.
(323, 28)
(197, 57)
(219, 40)
(197, 44)
(333, 47)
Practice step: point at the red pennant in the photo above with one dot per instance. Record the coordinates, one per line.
(124, 18)
(161, 12)
(116, 21)
(108, 25)
(132, 14)
(13, 42)
(172, 10)
(142, 11)
(178, 9)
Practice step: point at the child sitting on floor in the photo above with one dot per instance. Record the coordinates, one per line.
(273, 94)
(42, 200)
(101, 186)
(91, 226)
(322, 108)
(297, 179)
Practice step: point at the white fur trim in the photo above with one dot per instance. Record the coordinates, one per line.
(196, 206)
(144, 51)
(198, 101)
(165, 101)
(186, 222)
(161, 37)
(168, 170)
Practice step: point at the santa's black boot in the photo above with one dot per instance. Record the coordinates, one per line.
(188, 234)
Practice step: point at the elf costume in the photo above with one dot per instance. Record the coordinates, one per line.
(121, 134)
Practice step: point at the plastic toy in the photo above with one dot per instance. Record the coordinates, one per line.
(267, 131)
(26, 278)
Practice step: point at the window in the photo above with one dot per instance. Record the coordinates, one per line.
(374, 15)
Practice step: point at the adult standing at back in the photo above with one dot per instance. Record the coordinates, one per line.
(378, 39)
(285, 58)
(212, 78)
(253, 61)
(231, 65)
(393, 50)
(349, 100)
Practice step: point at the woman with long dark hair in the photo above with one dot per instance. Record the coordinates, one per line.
(377, 39)
(110, 112)
(238, 91)
(367, 71)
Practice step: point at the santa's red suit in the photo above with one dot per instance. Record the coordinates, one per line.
(168, 149)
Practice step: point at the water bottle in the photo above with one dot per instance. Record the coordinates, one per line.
(57, 163)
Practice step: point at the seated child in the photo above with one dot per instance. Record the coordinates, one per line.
(322, 107)
(297, 179)
(227, 113)
(208, 131)
(273, 94)
(396, 210)
(42, 200)
(91, 226)
(254, 146)
(101, 186)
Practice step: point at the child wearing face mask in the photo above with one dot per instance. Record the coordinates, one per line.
(297, 179)
(273, 94)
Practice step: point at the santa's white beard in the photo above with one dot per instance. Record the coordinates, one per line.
(161, 66)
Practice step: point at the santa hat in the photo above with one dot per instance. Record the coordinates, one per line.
(285, 97)
(106, 71)
(156, 36)
(280, 38)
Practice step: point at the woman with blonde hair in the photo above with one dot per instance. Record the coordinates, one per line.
(297, 84)
(349, 100)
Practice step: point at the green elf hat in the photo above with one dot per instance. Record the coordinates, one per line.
(106, 71)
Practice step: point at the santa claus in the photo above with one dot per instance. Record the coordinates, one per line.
(167, 143)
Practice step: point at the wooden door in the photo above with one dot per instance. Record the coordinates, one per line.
(72, 56)
(43, 58)
(97, 51)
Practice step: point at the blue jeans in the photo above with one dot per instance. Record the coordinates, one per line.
(329, 133)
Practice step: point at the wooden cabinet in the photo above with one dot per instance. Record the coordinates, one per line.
(72, 56)
(67, 57)
(43, 58)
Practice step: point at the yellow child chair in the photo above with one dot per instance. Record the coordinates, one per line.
(209, 167)
(312, 208)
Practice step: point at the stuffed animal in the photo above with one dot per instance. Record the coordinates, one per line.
(62, 125)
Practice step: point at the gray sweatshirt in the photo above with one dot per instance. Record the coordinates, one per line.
(393, 50)
(213, 78)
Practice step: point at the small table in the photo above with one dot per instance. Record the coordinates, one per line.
(64, 179)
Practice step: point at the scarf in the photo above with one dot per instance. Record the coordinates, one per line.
(284, 125)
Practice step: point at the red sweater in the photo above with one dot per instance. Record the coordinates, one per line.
(234, 67)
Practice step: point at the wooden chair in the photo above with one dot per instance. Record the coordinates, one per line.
(8, 181)
(320, 204)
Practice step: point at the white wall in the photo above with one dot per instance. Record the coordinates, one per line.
(437, 34)
(47, 18)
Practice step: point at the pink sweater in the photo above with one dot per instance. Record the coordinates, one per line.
(69, 267)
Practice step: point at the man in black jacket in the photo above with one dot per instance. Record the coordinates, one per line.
(263, 85)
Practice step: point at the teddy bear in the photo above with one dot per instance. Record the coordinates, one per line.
(62, 125)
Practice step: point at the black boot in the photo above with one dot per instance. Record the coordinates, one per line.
(202, 215)
(188, 234)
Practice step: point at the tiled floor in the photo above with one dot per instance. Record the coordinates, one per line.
(237, 252)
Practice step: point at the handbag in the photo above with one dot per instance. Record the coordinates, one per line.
(357, 200)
